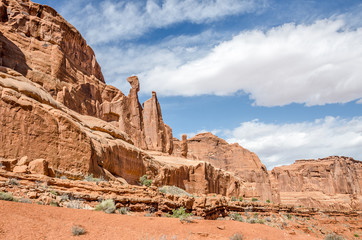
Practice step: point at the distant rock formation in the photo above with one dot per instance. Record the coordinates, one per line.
(231, 157)
(329, 183)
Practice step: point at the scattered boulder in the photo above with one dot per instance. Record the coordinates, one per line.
(20, 169)
(39, 166)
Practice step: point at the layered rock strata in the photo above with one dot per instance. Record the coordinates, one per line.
(328, 183)
(231, 157)
(38, 43)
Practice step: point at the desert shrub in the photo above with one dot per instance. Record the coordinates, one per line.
(356, 235)
(54, 192)
(7, 197)
(236, 217)
(240, 199)
(144, 181)
(173, 190)
(54, 203)
(90, 178)
(254, 199)
(261, 221)
(179, 213)
(13, 181)
(78, 230)
(76, 204)
(333, 237)
(237, 236)
(252, 220)
(107, 206)
(268, 201)
(289, 216)
(24, 200)
(233, 199)
(123, 210)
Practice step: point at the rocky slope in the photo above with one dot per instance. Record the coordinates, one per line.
(328, 183)
(231, 157)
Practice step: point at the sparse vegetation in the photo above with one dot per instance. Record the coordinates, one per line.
(233, 199)
(13, 181)
(289, 216)
(268, 201)
(24, 200)
(54, 192)
(236, 217)
(107, 206)
(76, 204)
(334, 237)
(237, 236)
(54, 203)
(356, 235)
(90, 178)
(123, 210)
(179, 213)
(173, 190)
(78, 230)
(7, 197)
(144, 181)
(254, 199)
(240, 199)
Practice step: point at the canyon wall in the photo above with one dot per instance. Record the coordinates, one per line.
(330, 183)
(38, 43)
(231, 157)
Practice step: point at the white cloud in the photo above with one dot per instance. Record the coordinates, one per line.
(280, 144)
(312, 64)
(132, 59)
(108, 21)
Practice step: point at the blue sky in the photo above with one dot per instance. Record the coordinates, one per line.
(281, 78)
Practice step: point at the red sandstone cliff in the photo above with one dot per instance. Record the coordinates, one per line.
(231, 157)
(38, 43)
(330, 183)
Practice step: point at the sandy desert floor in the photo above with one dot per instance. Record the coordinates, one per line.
(32, 221)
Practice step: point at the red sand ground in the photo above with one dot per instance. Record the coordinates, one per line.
(31, 221)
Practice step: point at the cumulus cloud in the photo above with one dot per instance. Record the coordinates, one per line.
(312, 64)
(280, 144)
(108, 21)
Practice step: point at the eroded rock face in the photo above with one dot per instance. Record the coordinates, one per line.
(231, 157)
(331, 183)
(38, 43)
(33, 124)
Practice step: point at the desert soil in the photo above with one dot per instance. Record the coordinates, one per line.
(32, 221)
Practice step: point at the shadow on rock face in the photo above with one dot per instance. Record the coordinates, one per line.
(11, 56)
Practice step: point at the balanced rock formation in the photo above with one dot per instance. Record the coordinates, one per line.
(39, 44)
(231, 157)
(329, 183)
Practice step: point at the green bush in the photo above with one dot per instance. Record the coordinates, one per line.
(268, 201)
(179, 213)
(145, 181)
(233, 199)
(356, 235)
(240, 199)
(7, 197)
(107, 206)
(254, 199)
